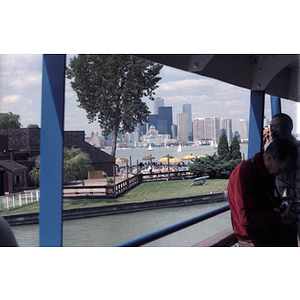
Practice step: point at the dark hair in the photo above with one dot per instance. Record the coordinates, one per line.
(282, 149)
(287, 122)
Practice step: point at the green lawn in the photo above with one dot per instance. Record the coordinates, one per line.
(148, 191)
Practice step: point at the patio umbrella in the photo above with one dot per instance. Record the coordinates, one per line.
(189, 157)
(121, 160)
(176, 160)
(201, 156)
(165, 158)
(169, 156)
(149, 157)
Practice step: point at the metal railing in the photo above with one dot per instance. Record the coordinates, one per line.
(19, 199)
(171, 229)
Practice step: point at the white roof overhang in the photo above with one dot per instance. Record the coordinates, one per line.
(276, 74)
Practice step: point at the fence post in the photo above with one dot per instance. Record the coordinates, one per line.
(13, 196)
(7, 202)
(26, 198)
(20, 199)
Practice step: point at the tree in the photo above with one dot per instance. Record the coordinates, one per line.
(110, 88)
(235, 148)
(213, 166)
(223, 150)
(33, 126)
(9, 121)
(76, 165)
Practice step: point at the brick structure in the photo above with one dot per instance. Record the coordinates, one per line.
(23, 144)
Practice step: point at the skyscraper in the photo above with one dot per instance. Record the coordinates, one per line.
(158, 102)
(187, 108)
(207, 129)
(198, 129)
(244, 129)
(212, 129)
(182, 130)
(227, 126)
(165, 119)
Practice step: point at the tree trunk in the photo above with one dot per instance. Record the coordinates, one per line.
(114, 142)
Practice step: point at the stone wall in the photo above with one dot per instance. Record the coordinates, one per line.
(96, 211)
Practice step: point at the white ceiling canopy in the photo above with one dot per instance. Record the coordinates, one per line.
(276, 74)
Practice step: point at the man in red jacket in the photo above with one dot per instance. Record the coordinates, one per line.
(251, 188)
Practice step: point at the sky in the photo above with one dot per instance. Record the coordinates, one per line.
(162, 27)
(20, 93)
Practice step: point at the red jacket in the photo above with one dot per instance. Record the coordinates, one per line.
(250, 190)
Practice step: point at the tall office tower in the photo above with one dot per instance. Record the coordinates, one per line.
(198, 129)
(158, 102)
(152, 120)
(244, 129)
(212, 129)
(142, 130)
(187, 108)
(164, 120)
(174, 131)
(227, 126)
(182, 131)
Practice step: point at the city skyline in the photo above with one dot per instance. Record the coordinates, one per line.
(20, 93)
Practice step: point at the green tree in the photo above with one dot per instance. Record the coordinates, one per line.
(235, 148)
(110, 88)
(76, 165)
(213, 166)
(9, 121)
(33, 126)
(223, 149)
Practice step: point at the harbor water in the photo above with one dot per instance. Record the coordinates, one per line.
(137, 154)
(107, 231)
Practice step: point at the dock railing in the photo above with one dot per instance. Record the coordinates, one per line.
(226, 238)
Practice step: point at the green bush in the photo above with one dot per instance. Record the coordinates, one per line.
(213, 166)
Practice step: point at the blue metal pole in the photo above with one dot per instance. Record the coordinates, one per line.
(173, 228)
(51, 173)
(256, 118)
(275, 105)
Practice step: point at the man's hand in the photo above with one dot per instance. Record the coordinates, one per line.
(288, 217)
(267, 135)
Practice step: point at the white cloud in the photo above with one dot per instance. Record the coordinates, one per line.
(15, 99)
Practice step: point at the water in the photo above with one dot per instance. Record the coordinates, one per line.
(106, 231)
(159, 152)
(111, 230)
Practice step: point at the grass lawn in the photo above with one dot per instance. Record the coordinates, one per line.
(147, 190)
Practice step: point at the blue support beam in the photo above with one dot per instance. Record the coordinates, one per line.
(51, 173)
(257, 104)
(275, 105)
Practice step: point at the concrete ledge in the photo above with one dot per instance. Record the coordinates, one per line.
(95, 211)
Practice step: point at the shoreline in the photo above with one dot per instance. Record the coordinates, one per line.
(105, 210)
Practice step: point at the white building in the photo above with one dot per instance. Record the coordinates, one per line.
(153, 137)
(244, 130)
(206, 129)
(227, 126)
(182, 127)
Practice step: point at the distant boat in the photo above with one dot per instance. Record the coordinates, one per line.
(179, 149)
(150, 148)
(214, 145)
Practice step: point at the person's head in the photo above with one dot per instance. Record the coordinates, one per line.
(281, 125)
(280, 156)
